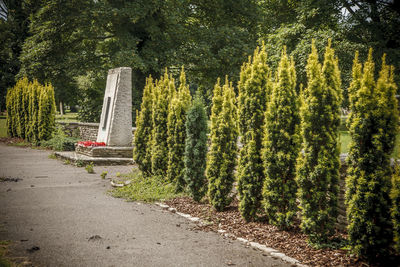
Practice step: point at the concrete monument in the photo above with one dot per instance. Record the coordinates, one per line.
(115, 127)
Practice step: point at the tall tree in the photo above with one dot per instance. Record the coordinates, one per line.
(281, 147)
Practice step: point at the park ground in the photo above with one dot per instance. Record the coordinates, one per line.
(60, 215)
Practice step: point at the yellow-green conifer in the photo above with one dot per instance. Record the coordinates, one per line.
(47, 111)
(221, 158)
(318, 163)
(373, 128)
(163, 91)
(144, 126)
(179, 106)
(281, 147)
(254, 87)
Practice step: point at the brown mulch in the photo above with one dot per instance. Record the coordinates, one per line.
(292, 243)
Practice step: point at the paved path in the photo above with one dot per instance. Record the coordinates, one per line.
(59, 207)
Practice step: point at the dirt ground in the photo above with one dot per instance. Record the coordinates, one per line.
(59, 215)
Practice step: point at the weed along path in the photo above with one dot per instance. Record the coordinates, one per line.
(60, 215)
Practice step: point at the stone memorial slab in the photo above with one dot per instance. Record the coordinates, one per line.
(115, 127)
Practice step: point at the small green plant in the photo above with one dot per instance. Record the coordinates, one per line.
(118, 174)
(59, 141)
(79, 163)
(67, 162)
(52, 156)
(103, 175)
(89, 167)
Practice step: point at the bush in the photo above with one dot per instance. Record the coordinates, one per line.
(30, 111)
(281, 147)
(221, 159)
(59, 141)
(318, 165)
(373, 124)
(196, 149)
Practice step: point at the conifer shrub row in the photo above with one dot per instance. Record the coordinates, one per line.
(290, 150)
(30, 110)
(161, 133)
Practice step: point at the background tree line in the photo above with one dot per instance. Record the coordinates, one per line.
(73, 43)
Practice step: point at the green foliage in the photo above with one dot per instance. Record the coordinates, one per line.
(103, 175)
(59, 141)
(176, 126)
(91, 93)
(30, 111)
(33, 127)
(146, 188)
(254, 89)
(373, 124)
(221, 158)
(47, 112)
(162, 93)
(281, 147)
(196, 149)
(318, 164)
(395, 208)
(89, 167)
(144, 126)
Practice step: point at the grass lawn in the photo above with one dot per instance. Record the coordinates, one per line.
(345, 143)
(67, 117)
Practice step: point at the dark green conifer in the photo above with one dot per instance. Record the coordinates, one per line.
(373, 128)
(179, 106)
(221, 158)
(318, 164)
(281, 147)
(196, 149)
(254, 87)
(144, 126)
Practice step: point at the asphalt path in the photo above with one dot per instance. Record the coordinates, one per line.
(60, 215)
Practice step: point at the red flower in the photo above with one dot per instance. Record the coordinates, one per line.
(91, 144)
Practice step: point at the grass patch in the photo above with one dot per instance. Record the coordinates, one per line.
(345, 140)
(146, 189)
(4, 261)
(3, 128)
(67, 117)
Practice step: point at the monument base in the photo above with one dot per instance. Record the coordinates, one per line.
(77, 158)
(105, 151)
